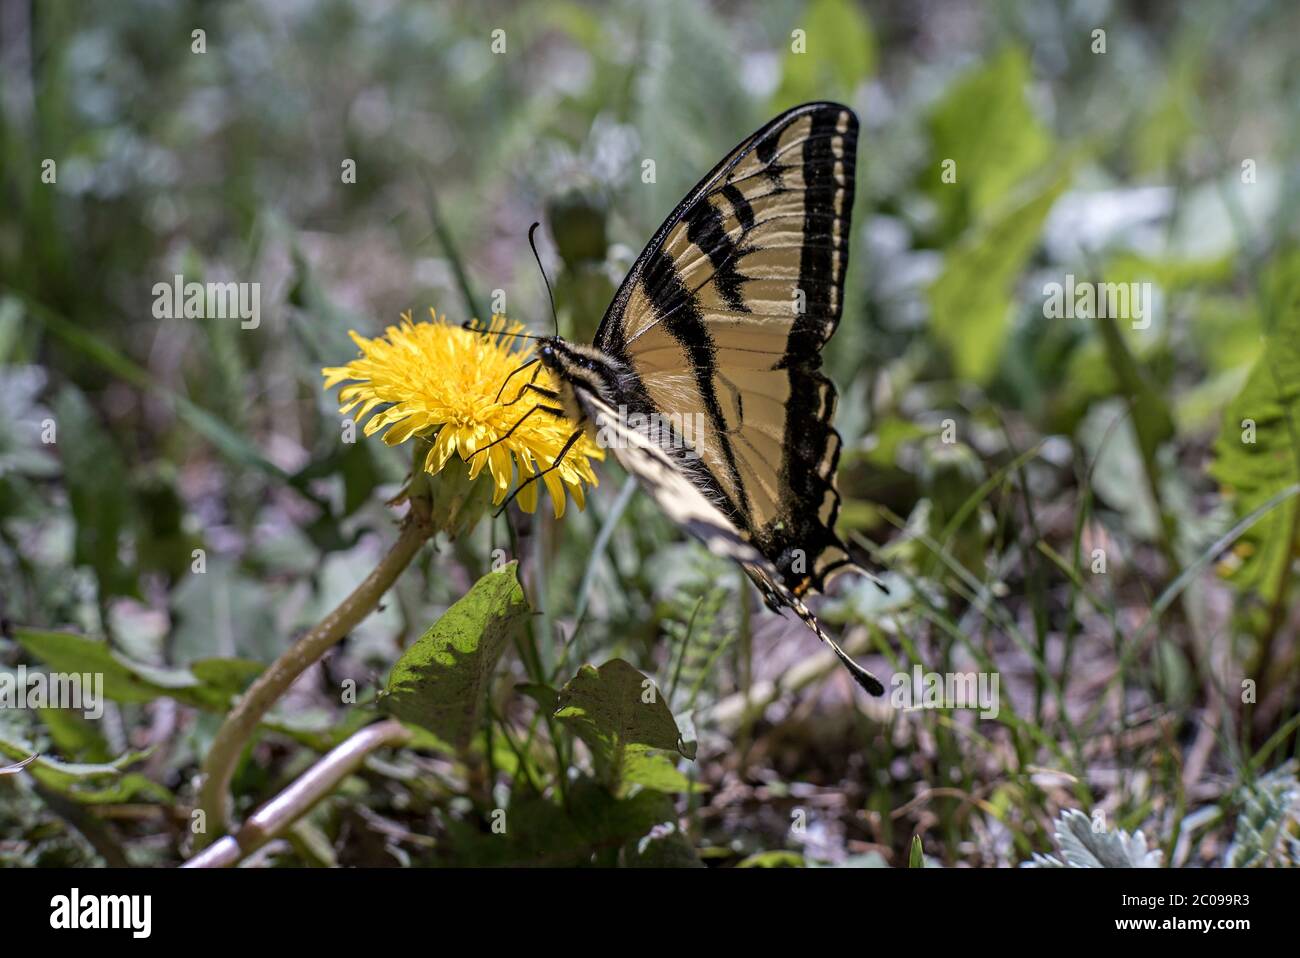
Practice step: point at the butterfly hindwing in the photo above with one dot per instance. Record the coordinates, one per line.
(722, 320)
(682, 499)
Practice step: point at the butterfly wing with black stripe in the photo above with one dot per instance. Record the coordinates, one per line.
(725, 313)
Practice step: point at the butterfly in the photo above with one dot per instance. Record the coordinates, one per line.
(704, 374)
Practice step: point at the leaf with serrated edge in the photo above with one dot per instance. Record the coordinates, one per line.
(440, 681)
(620, 717)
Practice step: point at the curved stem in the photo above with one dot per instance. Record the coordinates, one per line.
(277, 815)
(238, 728)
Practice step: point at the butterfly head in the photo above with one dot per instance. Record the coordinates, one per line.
(582, 368)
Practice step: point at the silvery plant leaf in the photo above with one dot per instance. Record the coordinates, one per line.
(1082, 846)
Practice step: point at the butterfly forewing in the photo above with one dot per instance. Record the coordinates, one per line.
(722, 320)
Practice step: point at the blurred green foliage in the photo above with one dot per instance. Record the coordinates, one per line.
(1070, 501)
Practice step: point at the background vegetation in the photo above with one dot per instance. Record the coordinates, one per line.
(1153, 695)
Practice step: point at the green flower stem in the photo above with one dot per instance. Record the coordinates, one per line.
(279, 814)
(242, 722)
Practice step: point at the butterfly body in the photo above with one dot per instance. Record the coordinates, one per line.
(704, 375)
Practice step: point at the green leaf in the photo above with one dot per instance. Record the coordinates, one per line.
(653, 770)
(774, 859)
(1257, 453)
(1173, 675)
(836, 53)
(220, 680)
(1169, 116)
(1108, 436)
(971, 300)
(544, 695)
(322, 729)
(89, 783)
(210, 684)
(592, 825)
(96, 477)
(1151, 415)
(621, 717)
(75, 736)
(440, 681)
(916, 858)
(984, 124)
(69, 652)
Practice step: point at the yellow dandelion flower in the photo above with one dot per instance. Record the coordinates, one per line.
(440, 382)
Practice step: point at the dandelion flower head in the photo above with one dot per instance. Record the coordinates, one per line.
(441, 381)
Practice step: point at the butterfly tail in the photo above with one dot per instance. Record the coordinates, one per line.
(860, 675)
(778, 597)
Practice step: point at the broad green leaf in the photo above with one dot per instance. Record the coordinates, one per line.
(608, 821)
(96, 478)
(835, 52)
(985, 126)
(209, 684)
(1170, 273)
(621, 716)
(971, 300)
(441, 680)
(1257, 453)
(1228, 336)
(69, 652)
(889, 436)
(128, 787)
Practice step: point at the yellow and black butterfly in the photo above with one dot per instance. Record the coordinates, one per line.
(720, 323)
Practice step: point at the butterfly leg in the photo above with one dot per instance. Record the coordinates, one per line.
(552, 467)
(553, 410)
(536, 361)
(533, 387)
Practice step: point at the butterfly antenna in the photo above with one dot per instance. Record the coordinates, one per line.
(550, 295)
(474, 327)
